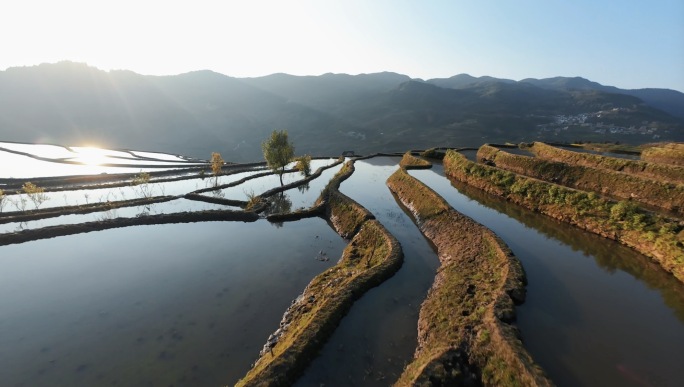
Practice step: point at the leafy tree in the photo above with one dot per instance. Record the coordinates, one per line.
(278, 152)
(216, 165)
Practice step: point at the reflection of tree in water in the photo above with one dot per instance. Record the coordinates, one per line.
(219, 194)
(304, 187)
(278, 204)
(144, 211)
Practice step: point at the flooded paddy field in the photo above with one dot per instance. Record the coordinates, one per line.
(193, 303)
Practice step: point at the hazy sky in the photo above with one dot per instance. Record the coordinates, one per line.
(625, 43)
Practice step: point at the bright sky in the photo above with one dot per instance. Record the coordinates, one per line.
(625, 43)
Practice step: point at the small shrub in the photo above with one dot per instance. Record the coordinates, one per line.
(622, 210)
(35, 193)
(304, 165)
(668, 228)
(142, 182)
(217, 163)
(253, 200)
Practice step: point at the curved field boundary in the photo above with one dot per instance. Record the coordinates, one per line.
(261, 204)
(666, 196)
(70, 229)
(24, 216)
(657, 237)
(170, 164)
(75, 183)
(661, 172)
(303, 181)
(672, 153)
(464, 331)
(215, 200)
(372, 256)
(237, 182)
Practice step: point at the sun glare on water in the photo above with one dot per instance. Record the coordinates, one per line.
(90, 155)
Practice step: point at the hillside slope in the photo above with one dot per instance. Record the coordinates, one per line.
(203, 111)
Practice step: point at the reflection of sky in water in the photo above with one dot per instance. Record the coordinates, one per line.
(587, 312)
(20, 166)
(158, 156)
(86, 150)
(304, 197)
(172, 188)
(262, 184)
(41, 150)
(178, 304)
(170, 207)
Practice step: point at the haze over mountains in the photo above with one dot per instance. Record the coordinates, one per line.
(203, 111)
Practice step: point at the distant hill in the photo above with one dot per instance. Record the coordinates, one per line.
(203, 111)
(669, 101)
(461, 81)
(193, 113)
(329, 91)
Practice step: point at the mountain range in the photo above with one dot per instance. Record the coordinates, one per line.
(200, 112)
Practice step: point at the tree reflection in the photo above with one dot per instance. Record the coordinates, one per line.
(304, 187)
(279, 203)
(218, 193)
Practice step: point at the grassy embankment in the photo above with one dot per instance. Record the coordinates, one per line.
(652, 235)
(661, 172)
(51, 212)
(464, 331)
(607, 255)
(667, 196)
(671, 153)
(106, 224)
(372, 256)
(413, 162)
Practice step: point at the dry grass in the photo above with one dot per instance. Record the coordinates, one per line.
(671, 153)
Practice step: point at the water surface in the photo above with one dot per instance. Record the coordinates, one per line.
(177, 304)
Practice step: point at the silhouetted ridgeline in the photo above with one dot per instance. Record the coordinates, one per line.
(203, 111)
